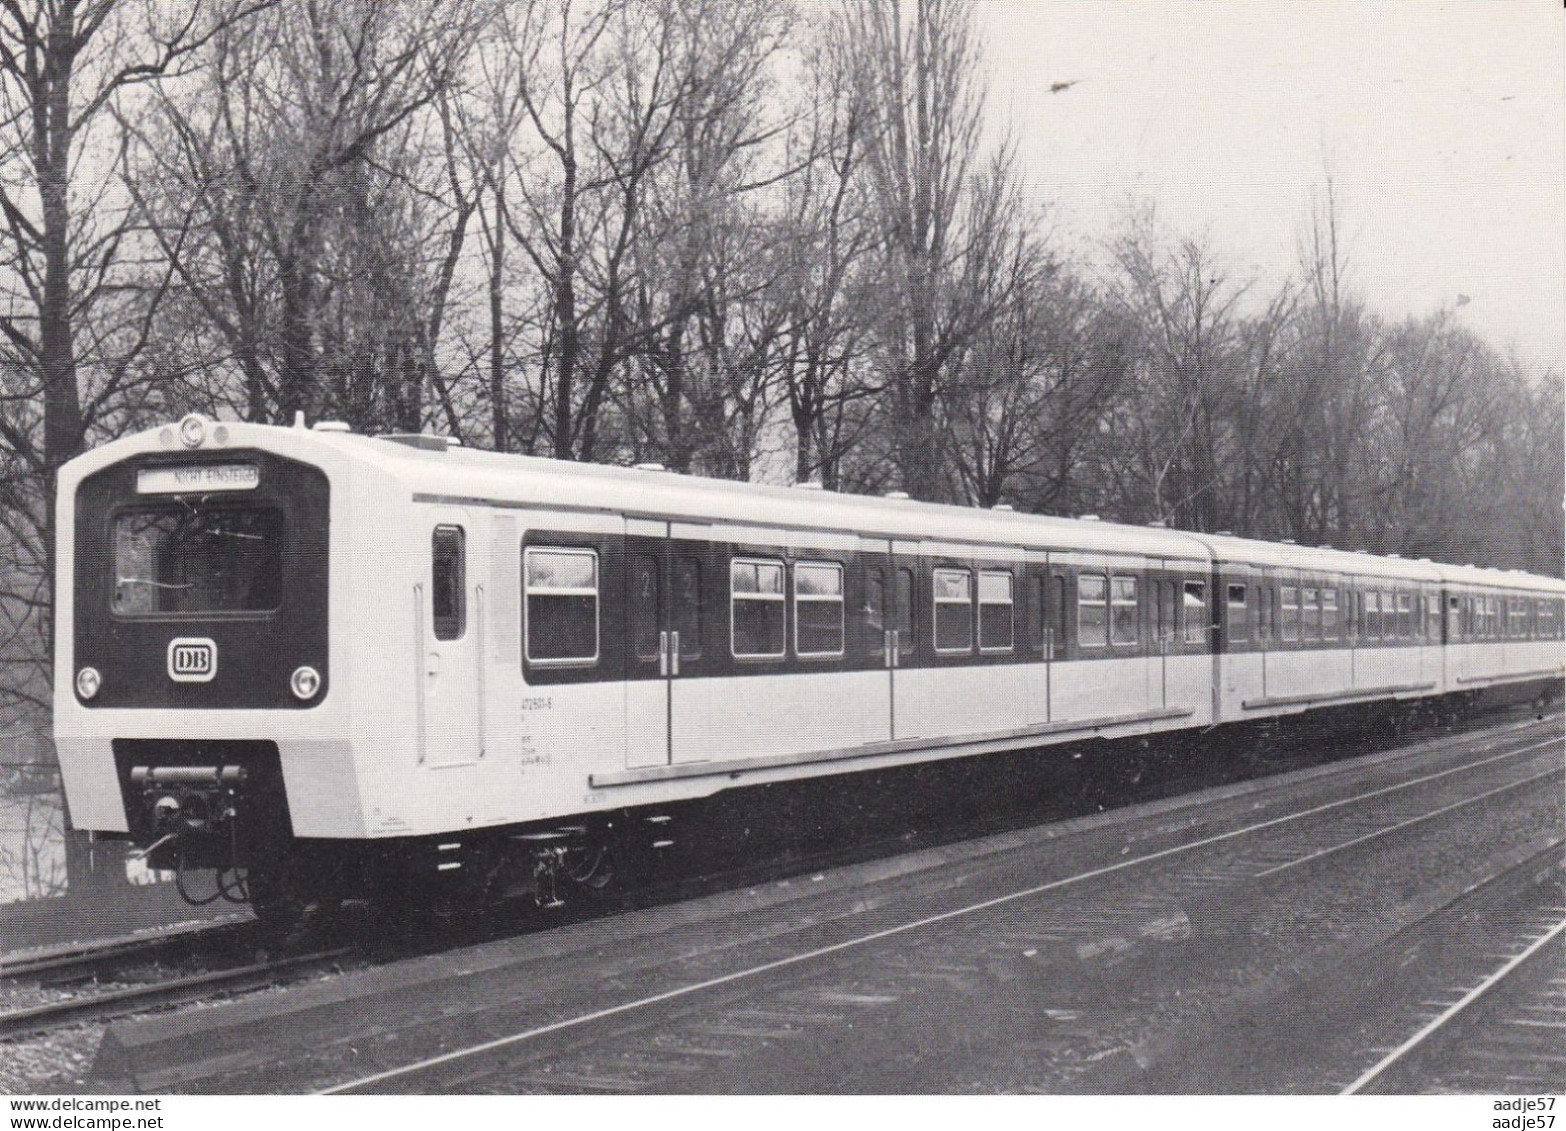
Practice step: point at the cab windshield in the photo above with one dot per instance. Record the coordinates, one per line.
(188, 558)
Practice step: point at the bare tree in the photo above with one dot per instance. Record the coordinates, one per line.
(942, 208)
(308, 194)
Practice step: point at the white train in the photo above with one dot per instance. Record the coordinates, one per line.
(330, 664)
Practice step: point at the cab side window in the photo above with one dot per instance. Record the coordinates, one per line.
(448, 582)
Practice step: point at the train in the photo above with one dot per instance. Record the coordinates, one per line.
(319, 665)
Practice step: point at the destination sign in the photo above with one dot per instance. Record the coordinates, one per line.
(200, 477)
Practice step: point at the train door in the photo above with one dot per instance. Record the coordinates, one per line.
(879, 622)
(647, 659)
(908, 622)
(449, 605)
(667, 579)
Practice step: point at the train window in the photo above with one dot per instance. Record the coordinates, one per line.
(561, 587)
(874, 613)
(756, 612)
(1291, 612)
(996, 627)
(1123, 610)
(1405, 615)
(1329, 614)
(1042, 599)
(1433, 617)
(1545, 618)
(1092, 611)
(690, 627)
(1310, 613)
(1156, 618)
(905, 613)
(1454, 618)
(1372, 615)
(1238, 630)
(818, 609)
(180, 558)
(646, 606)
(1193, 609)
(953, 590)
(448, 582)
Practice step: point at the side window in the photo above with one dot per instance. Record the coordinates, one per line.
(448, 582)
(818, 609)
(905, 612)
(1092, 611)
(996, 625)
(953, 589)
(1310, 613)
(1372, 615)
(1058, 619)
(561, 590)
(1239, 628)
(1405, 615)
(874, 613)
(1123, 596)
(646, 605)
(1041, 601)
(1193, 611)
(1291, 612)
(756, 612)
(1329, 614)
(1454, 618)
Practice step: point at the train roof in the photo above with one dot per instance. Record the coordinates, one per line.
(433, 467)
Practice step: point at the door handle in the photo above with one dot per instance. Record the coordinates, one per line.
(674, 653)
(663, 653)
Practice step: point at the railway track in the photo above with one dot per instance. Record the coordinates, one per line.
(106, 961)
(165, 993)
(1503, 1032)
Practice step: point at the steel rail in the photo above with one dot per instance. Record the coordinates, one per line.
(902, 928)
(1371, 1074)
(1324, 852)
(178, 991)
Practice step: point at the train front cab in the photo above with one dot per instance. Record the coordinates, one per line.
(193, 644)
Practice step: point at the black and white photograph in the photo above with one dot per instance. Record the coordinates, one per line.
(782, 548)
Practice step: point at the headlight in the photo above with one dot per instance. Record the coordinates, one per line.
(87, 682)
(192, 430)
(305, 682)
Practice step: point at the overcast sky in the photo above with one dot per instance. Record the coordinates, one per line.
(1443, 123)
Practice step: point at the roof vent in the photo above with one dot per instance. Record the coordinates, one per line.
(651, 467)
(424, 441)
(1394, 555)
(897, 494)
(1328, 546)
(1229, 534)
(1088, 518)
(811, 486)
(330, 426)
(1290, 542)
(1004, 507)
(1159, 524)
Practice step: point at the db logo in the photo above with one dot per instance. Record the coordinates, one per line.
(192, 659)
